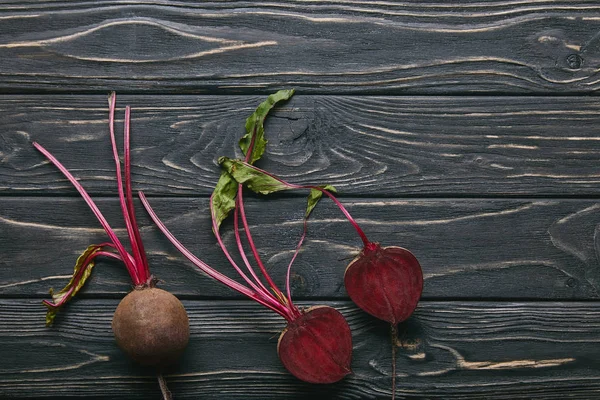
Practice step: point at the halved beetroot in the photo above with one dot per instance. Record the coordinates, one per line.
(317, 346)
(386, 282)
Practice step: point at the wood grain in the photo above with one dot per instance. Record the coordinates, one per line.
(382, 146)
(458, 350)
(321, 47)
(485, 249)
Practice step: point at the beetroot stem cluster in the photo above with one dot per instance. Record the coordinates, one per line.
(136, 261)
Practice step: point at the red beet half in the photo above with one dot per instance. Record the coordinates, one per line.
(386, 282)
(151, 326)
(317, 346)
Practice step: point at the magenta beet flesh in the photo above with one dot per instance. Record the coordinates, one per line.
(386, 282)
(317, 346)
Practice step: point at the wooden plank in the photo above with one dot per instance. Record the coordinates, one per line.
(322, 47)
(505, 249)
(383, 146)
(450, 350)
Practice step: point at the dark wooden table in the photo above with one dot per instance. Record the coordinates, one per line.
(466, 131)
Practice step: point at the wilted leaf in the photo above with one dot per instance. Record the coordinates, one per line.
(83, 270)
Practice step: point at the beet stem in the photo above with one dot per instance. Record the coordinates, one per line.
(367, 243)
(124, 210)
(240, 204)
(277, 300)
(238, 240)
(225, 280)
(266, 294)
(394, 337)
(109, 231)
(137, 239)
(162, 383)
(289, 269)
(344, 211)
(253, 248)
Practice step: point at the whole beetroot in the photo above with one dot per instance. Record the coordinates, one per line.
(149, 324)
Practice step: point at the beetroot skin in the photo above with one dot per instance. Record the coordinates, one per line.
(151, 326)
(386, 282)
(317, 346)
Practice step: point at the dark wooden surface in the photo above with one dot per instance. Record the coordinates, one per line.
(465, 131)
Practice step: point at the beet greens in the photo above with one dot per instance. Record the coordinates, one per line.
(386, 282)
(316, 345)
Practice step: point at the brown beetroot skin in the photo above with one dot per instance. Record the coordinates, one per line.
(317, 346)
(386, 282)
(151, 326)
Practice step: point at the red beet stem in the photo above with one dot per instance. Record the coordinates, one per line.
(225, 280)
(367, 243)
(136, 231)
(142, 275)
(129, 264)
(264, 293)
(240, 204)
(344, 211)
(289, 269)
(268, 296)
(238, 240)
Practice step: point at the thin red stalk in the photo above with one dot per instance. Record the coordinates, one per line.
(206, 268)
(240, 204)
(249, 281)
(129, 257)
(232, 261)
(109, 231)
(238, 240)
(79, 275)
(343, 209)
(109, 255)
(137, 239)
(266, 294)
(111, 122)
(289, 270)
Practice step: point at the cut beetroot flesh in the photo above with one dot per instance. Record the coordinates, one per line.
(386, 282)
(317, 346)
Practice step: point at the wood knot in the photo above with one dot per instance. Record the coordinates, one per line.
(574, 61)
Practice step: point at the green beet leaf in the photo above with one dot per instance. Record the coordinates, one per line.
(253, 178)
(262, 182)
(255, 129)
(223, 197)
(314, 197)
